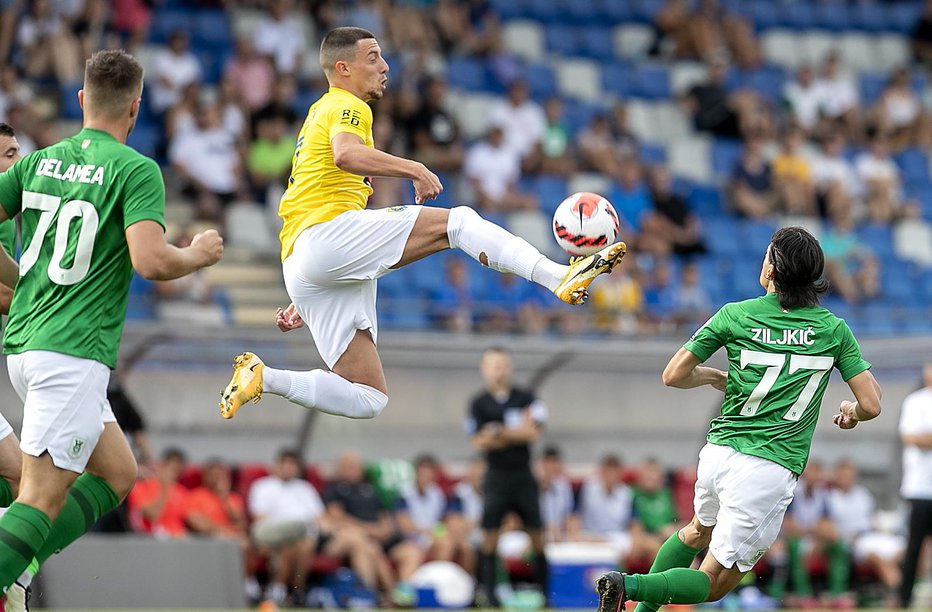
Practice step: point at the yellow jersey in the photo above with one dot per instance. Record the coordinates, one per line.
(317, 190)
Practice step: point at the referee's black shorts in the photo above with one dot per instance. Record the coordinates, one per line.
(511, 490)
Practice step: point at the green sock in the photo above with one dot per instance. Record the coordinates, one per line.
(673, 553)
(839, 568)
(23, 530)
(677, 586)
(89, 498)
(799, 573)
(6, 493)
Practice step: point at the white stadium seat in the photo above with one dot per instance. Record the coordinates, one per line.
(633, 40)
(589, 181)
(816, 44)
(525, 39)
(248, 227)
(244, 21)
(672, 122)
(146, 53)
(689, 158)
(641, 120)
(783, 48)
(471, 111)
(892, 52)
(857, 51)
(580, 79)
(683, 75)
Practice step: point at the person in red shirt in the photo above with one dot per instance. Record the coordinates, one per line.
(158, 505)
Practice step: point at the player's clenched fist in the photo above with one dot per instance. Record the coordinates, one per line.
(427, 185)
(847, 415)
(210, 243)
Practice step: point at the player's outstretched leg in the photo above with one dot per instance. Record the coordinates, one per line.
(676, 586)
(315, 389)
(500, 250)
(674, 553)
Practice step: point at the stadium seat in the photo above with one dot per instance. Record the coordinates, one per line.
(878, 238)
(902, 16)
(857, 51)
(642, 120)
(145, 138)
(653, 154)
(579, 12)
(868, 17)
(550, 191)
(633, 40)
(725, 155)
(705, 201)
(763, 14)
(510, 9)
(913, 164)
(166, 21)
(580, 79)
(613, 11)
(832, 16)
(212, 29)
(525, 39)
(685, 75)
(816, 44)
(541, 80)
(68, 102)
(756, 234)
(782, 48)
(472, 112)
(588, 181)
(545, 12)
(467, 73)
(244, 21)
(872, 86)
(800, 17)
(617, 77)
(595, 41)
(767, 81)
(689, 158)
(646, 10)
(718, 232)
(651, 81)
(893, 51)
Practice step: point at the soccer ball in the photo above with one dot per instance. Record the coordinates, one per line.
(584, 223)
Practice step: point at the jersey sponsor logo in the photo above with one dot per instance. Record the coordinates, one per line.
(77, 447)
(395, 209)
(789, 337)
(350, 117)
(88, 174)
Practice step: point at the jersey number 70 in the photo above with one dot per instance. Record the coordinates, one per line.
(48, 205)
(775, 361)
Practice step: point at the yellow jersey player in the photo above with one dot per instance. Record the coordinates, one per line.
(334, 248)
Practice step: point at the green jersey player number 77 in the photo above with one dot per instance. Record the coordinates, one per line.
(92, 212)
(781, 350)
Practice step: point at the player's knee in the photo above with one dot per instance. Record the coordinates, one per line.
(122, 478)
(458, 218)
(371, 401)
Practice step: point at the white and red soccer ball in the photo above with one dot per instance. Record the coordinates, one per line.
(584, 223)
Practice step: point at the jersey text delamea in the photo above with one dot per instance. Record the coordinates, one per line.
(75, 173)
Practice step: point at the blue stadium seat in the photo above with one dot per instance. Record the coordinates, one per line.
(651, 82)
(579, 114)
(869, 17)
(878, 238)
(580, 12)
(212, 62)
(719, 233)
(541, 79)
(898, 287)
(832, 16)
(212, 29)
(618, 78)
(902, 16)
(725, 154)
(145, 139)
(550, 191)
(166, 21)
(644, 11)
(914, 165)
(653, 154)
(595, 41)
(756, 234)
(510, 9)
(767, 81)
(613, 12)
(68, 101)
(800, 17)
(762, 13)
(467, 73)
(546, 11)
(562, 39)
(705, 201)
(916, 321)
(871, 87)
(925, 283)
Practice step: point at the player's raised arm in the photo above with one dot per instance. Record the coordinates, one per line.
(867, 394)
(9, 274)
(350, 154)
(154, 259)
(685, 371)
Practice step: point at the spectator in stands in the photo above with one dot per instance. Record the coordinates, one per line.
(654, 506)
(921, 36)
(606, 510)
(214, 510)
(282, 104)
(468, 493)
(626, 142)
(422, 511)
(725, 114)
(671, 220)
(49, 47)
(898, 113)
(522, 120)
(851, 508)
(173, 69)
(131, 20)
(466, 28)
(493, 170)
(660, 296)
(279, 37)
(852, 269)
(880, 177)
(631, 200)
(706, 30)
(809, 529)
(916, 434)
(692, 305)
(435, 135)
(597, 147)
(553, 153)
(88, 22)
(252, 74)
(803, 99)
(752, 189)
(452, 307)
(509, 305)
(208, 162)
(352, 503)
(793, 178)
(233, 112)
(269, 158)
(286, 511)
(839, 97)
(158, 504)
(836, 181)
(618, 301)
(557, 502)
(13, 91)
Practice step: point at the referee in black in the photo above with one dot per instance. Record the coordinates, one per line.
(503, 422)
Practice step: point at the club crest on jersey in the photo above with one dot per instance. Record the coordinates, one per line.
(77, 447)
(395, 209)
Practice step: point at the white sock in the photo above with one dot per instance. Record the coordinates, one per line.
(325, 391)
(499, 249)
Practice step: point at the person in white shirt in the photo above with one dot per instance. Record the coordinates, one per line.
(286, 511)
(493, 169)
(838, 94)
(173, 69)
(606, 509)
(521, 118)
(852, 508)
(557, 504)
(836, 182)
(281, 38)
(804, 99)
(880, 178)
(916, 488)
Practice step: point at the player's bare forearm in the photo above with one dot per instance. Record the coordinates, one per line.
(366, 161)
(867, 394)
(154, 259)
(9, 271)
(923, 441)
(526, 433)
(686, 372)
(6, 298)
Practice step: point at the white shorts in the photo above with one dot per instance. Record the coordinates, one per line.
(64, 405)
(5, 427)
(744, 498)
(332, 270)
(885, 546)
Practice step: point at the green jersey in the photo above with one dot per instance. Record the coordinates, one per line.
(8, 237)
(77, 198)
(778, 369)
(655, 509)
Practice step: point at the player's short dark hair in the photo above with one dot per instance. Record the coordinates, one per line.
(611, 460)
(799, 264)
(497, 348)
(289, 453)
(552, 452)
(7, 130)
(340, 45)
(173, 454)
(425, 459)
(112, 82)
